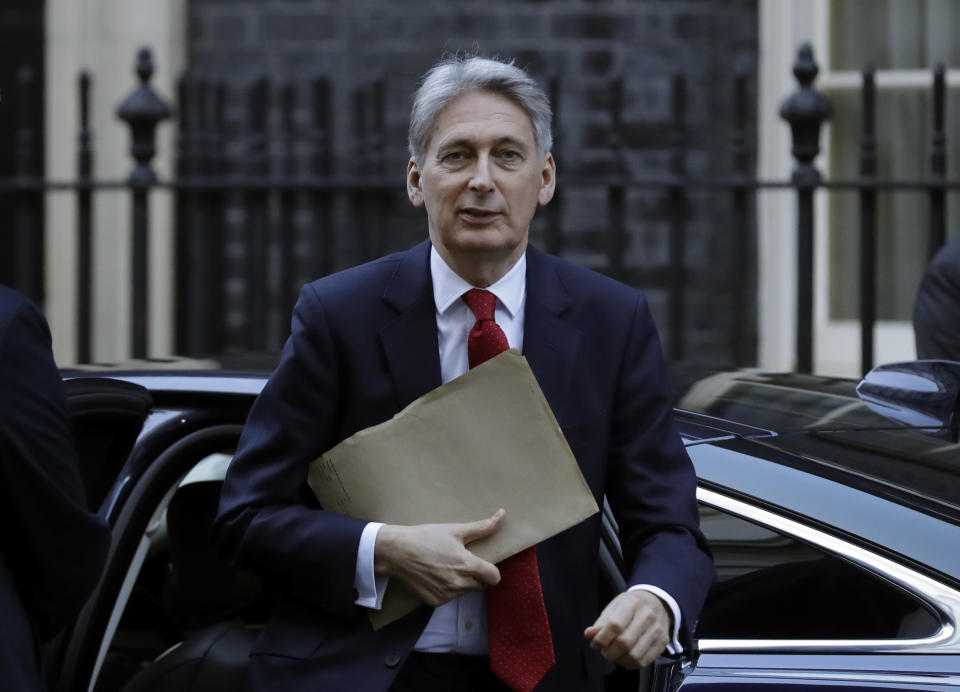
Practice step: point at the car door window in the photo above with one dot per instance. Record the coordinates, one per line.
(772, 586)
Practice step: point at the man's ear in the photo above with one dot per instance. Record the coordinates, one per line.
(414, 191)
(548, 180)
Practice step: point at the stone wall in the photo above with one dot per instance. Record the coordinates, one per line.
(582, 44)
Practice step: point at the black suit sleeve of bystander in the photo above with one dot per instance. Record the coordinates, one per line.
(52, 545)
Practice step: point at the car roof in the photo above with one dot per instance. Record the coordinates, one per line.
(820, 425)
(781, 403)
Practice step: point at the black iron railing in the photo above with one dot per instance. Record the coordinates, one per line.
(284, 171)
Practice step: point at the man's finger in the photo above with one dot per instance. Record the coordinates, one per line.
(476, 530)
(486, 574)
(644, 652)
(624, 642)
(611, 622)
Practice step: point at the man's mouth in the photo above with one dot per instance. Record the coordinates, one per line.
(478, 215)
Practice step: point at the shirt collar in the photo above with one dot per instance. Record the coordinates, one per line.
(448, 286)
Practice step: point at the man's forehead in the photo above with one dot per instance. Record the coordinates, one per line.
(482, 112)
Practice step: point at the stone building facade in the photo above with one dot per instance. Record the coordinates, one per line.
(581, 47)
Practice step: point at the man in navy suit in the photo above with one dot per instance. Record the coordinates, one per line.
(368, 341)
(53, 549)
(936, 311)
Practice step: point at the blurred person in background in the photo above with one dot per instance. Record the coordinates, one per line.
(936, 312)
(53, 549)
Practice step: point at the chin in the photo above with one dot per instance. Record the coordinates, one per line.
(493, 246)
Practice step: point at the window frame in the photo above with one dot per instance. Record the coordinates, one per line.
(893, 339)
(784, 25)
(943, 601)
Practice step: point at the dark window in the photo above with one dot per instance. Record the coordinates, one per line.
(771, 586)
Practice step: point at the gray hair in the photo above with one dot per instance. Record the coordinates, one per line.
(456, 75)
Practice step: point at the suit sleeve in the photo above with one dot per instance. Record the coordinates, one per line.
(936, 311)
(268, 521)
(52, 544)
(652, 484)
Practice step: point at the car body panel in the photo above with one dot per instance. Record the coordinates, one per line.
(755, 471)
(783, 671)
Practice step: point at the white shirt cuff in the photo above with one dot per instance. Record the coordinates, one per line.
(370, 587)
(673, 647)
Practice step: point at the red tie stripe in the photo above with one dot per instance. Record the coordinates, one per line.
(521, 646)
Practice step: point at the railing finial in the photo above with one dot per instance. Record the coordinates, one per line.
(805, 110)
(143, 110)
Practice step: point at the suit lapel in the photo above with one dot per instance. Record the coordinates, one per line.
(550, 343)
(410, 340)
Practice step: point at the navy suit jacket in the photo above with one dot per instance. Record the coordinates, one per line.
(52, 548)
(936, 311)
(363, 346)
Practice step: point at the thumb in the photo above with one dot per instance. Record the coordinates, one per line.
(482, 528)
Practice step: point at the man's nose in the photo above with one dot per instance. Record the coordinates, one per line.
(482, 178)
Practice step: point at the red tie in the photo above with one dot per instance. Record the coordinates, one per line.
(521, 646)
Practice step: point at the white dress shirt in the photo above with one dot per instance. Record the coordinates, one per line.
(461, 624)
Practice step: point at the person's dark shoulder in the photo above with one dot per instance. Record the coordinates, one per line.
(17, 309)
(946, 263)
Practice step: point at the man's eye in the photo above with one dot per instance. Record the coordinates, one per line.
(453, 156)
(510, 155)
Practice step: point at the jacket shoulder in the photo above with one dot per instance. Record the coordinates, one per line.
(16, 307)
(13, 303)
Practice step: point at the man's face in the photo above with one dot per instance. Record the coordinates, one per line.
(480, 180)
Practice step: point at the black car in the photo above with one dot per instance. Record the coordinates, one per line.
(836, 532)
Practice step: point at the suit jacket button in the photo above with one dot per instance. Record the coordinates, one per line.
(392, 660)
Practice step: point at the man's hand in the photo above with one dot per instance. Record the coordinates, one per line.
(432, 558)
(632, 630)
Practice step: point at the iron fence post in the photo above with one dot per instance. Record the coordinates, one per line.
(256, 168)
(142, 110)
(938, 164)
(616, 193)
(321, 165)
(84, 222)
(868, 223)
(677, 199)
(743, 336)
(554, 212)
(289, 274)
(27, 224)
(805, 110)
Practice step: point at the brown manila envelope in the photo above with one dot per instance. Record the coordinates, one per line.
(485, 440)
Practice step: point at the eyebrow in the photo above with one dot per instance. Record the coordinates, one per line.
(466, 142)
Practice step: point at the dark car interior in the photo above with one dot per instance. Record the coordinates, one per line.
(771, 586)
(211, 610)
(191, 617)
(106, 416)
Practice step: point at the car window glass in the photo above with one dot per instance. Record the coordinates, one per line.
(771, 586)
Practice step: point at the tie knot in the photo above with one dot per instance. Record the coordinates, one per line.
(481, 302)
